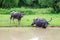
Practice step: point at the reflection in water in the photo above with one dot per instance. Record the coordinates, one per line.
(13, 38)
(35, 38)
(29, 33)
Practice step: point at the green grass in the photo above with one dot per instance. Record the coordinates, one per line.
(27, 20)
(28, 11)
(31, 13)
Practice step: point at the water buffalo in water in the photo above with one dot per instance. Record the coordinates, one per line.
(16, 15)
(41, 22)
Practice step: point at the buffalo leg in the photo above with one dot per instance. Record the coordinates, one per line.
(10, 19)
(44, 26)
(18, 22)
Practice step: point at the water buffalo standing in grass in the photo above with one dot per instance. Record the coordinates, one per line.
(16, 15)
(40, 22)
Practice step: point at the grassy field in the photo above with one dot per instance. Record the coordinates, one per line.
(28, 11)
(31, 13)
(27, 20)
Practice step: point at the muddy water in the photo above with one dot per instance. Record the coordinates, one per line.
(29, 33)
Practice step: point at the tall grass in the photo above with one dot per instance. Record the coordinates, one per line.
(28, 11)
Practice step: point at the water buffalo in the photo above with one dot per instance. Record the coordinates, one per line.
(16, 15)
(40, 22)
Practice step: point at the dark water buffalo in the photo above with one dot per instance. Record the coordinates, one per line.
(16, 15)
(41, 22)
